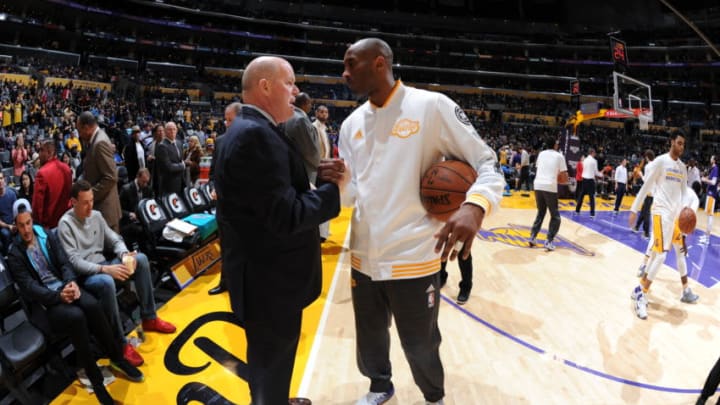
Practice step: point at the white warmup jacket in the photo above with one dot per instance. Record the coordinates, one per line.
(388, 149)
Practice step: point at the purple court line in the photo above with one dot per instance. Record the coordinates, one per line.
(568, 362)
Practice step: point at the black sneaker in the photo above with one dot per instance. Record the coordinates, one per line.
(130, 372)
(463, 297)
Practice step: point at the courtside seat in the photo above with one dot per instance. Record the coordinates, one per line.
(174, 206)
(207, 191)
(163, 253)
(196, 200)
(22, 346)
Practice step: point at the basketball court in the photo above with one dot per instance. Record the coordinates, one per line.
(539, 328)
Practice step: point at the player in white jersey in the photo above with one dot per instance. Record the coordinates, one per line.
(692, 201)
(666, 177)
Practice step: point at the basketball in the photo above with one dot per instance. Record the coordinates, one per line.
(443, 187)
(687, 220)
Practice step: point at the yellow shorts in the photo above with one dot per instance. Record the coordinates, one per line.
(710, 205)
(665, 233)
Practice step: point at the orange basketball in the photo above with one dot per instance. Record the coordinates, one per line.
(443, 187)
(687, 220)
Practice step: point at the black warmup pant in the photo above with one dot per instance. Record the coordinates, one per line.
(272, 344)
(466, 272)
(644, 217)
(545, 201)
(619, 195)
(525, 177)
(588, 188)
(712, 382)
(78, 320)
(415, 310)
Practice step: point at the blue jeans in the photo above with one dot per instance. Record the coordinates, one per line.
(102, 286)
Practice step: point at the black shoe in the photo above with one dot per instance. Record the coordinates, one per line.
(299, 401)
(130, 372)
(463, 297)
(219, 289)
(102, 395)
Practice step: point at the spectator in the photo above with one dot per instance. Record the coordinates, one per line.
(45, 277)
(52, 193)
(100, 170)
(192, 158)
(86, 236)
(7, 229)
(130, 195)
(134, 153)
(19, 157)
(169, 164)
(26, 186)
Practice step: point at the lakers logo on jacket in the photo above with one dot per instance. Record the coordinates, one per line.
(405, 128)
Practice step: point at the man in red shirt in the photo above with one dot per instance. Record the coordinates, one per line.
(51, 197)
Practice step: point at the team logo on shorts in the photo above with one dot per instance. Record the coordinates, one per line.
(519, 235)
(461, 116)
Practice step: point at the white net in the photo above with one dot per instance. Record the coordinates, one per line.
(644, 122)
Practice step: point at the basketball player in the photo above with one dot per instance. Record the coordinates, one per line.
(388, 143)
(692, 201)
(550, 164)
(711, 196)
(667, 178)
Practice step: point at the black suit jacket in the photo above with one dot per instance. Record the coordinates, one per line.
(269, 220)
(36, 294)
(169, 166)
(129, 199)
(132, 162)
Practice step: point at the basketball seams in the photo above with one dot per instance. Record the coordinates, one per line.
(469, 183)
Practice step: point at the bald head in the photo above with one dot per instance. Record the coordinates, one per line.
(264, 67)
(374, 47)
(269, 84)
(368, 69)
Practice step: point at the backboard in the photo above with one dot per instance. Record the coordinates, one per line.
(632, 98)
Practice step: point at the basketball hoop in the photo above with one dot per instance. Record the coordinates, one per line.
(644, 121)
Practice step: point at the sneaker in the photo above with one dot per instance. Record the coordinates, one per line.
(532, 242)
(592, 216)
(463, 297)
(132, 357)
(689, 297)
(157, 325)
(635, 229)
(376, 398)
(641, 306)
(549, 246)
(128, 370)
(641, 271)
(299, 401)
(636, 293)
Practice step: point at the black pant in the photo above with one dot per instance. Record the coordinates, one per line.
(545, 201)
(415, 310)
(588, 188)
(525, 177)
(78, 320)
(619, 194)
(712, 382)
(466, 272)
(644, 217)
(272, 344)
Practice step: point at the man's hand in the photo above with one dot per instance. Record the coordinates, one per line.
(334, 171)
(117, 271)
(70, 292)
(632, 218)
(461, 228)
(132, 216)
(683, 248)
